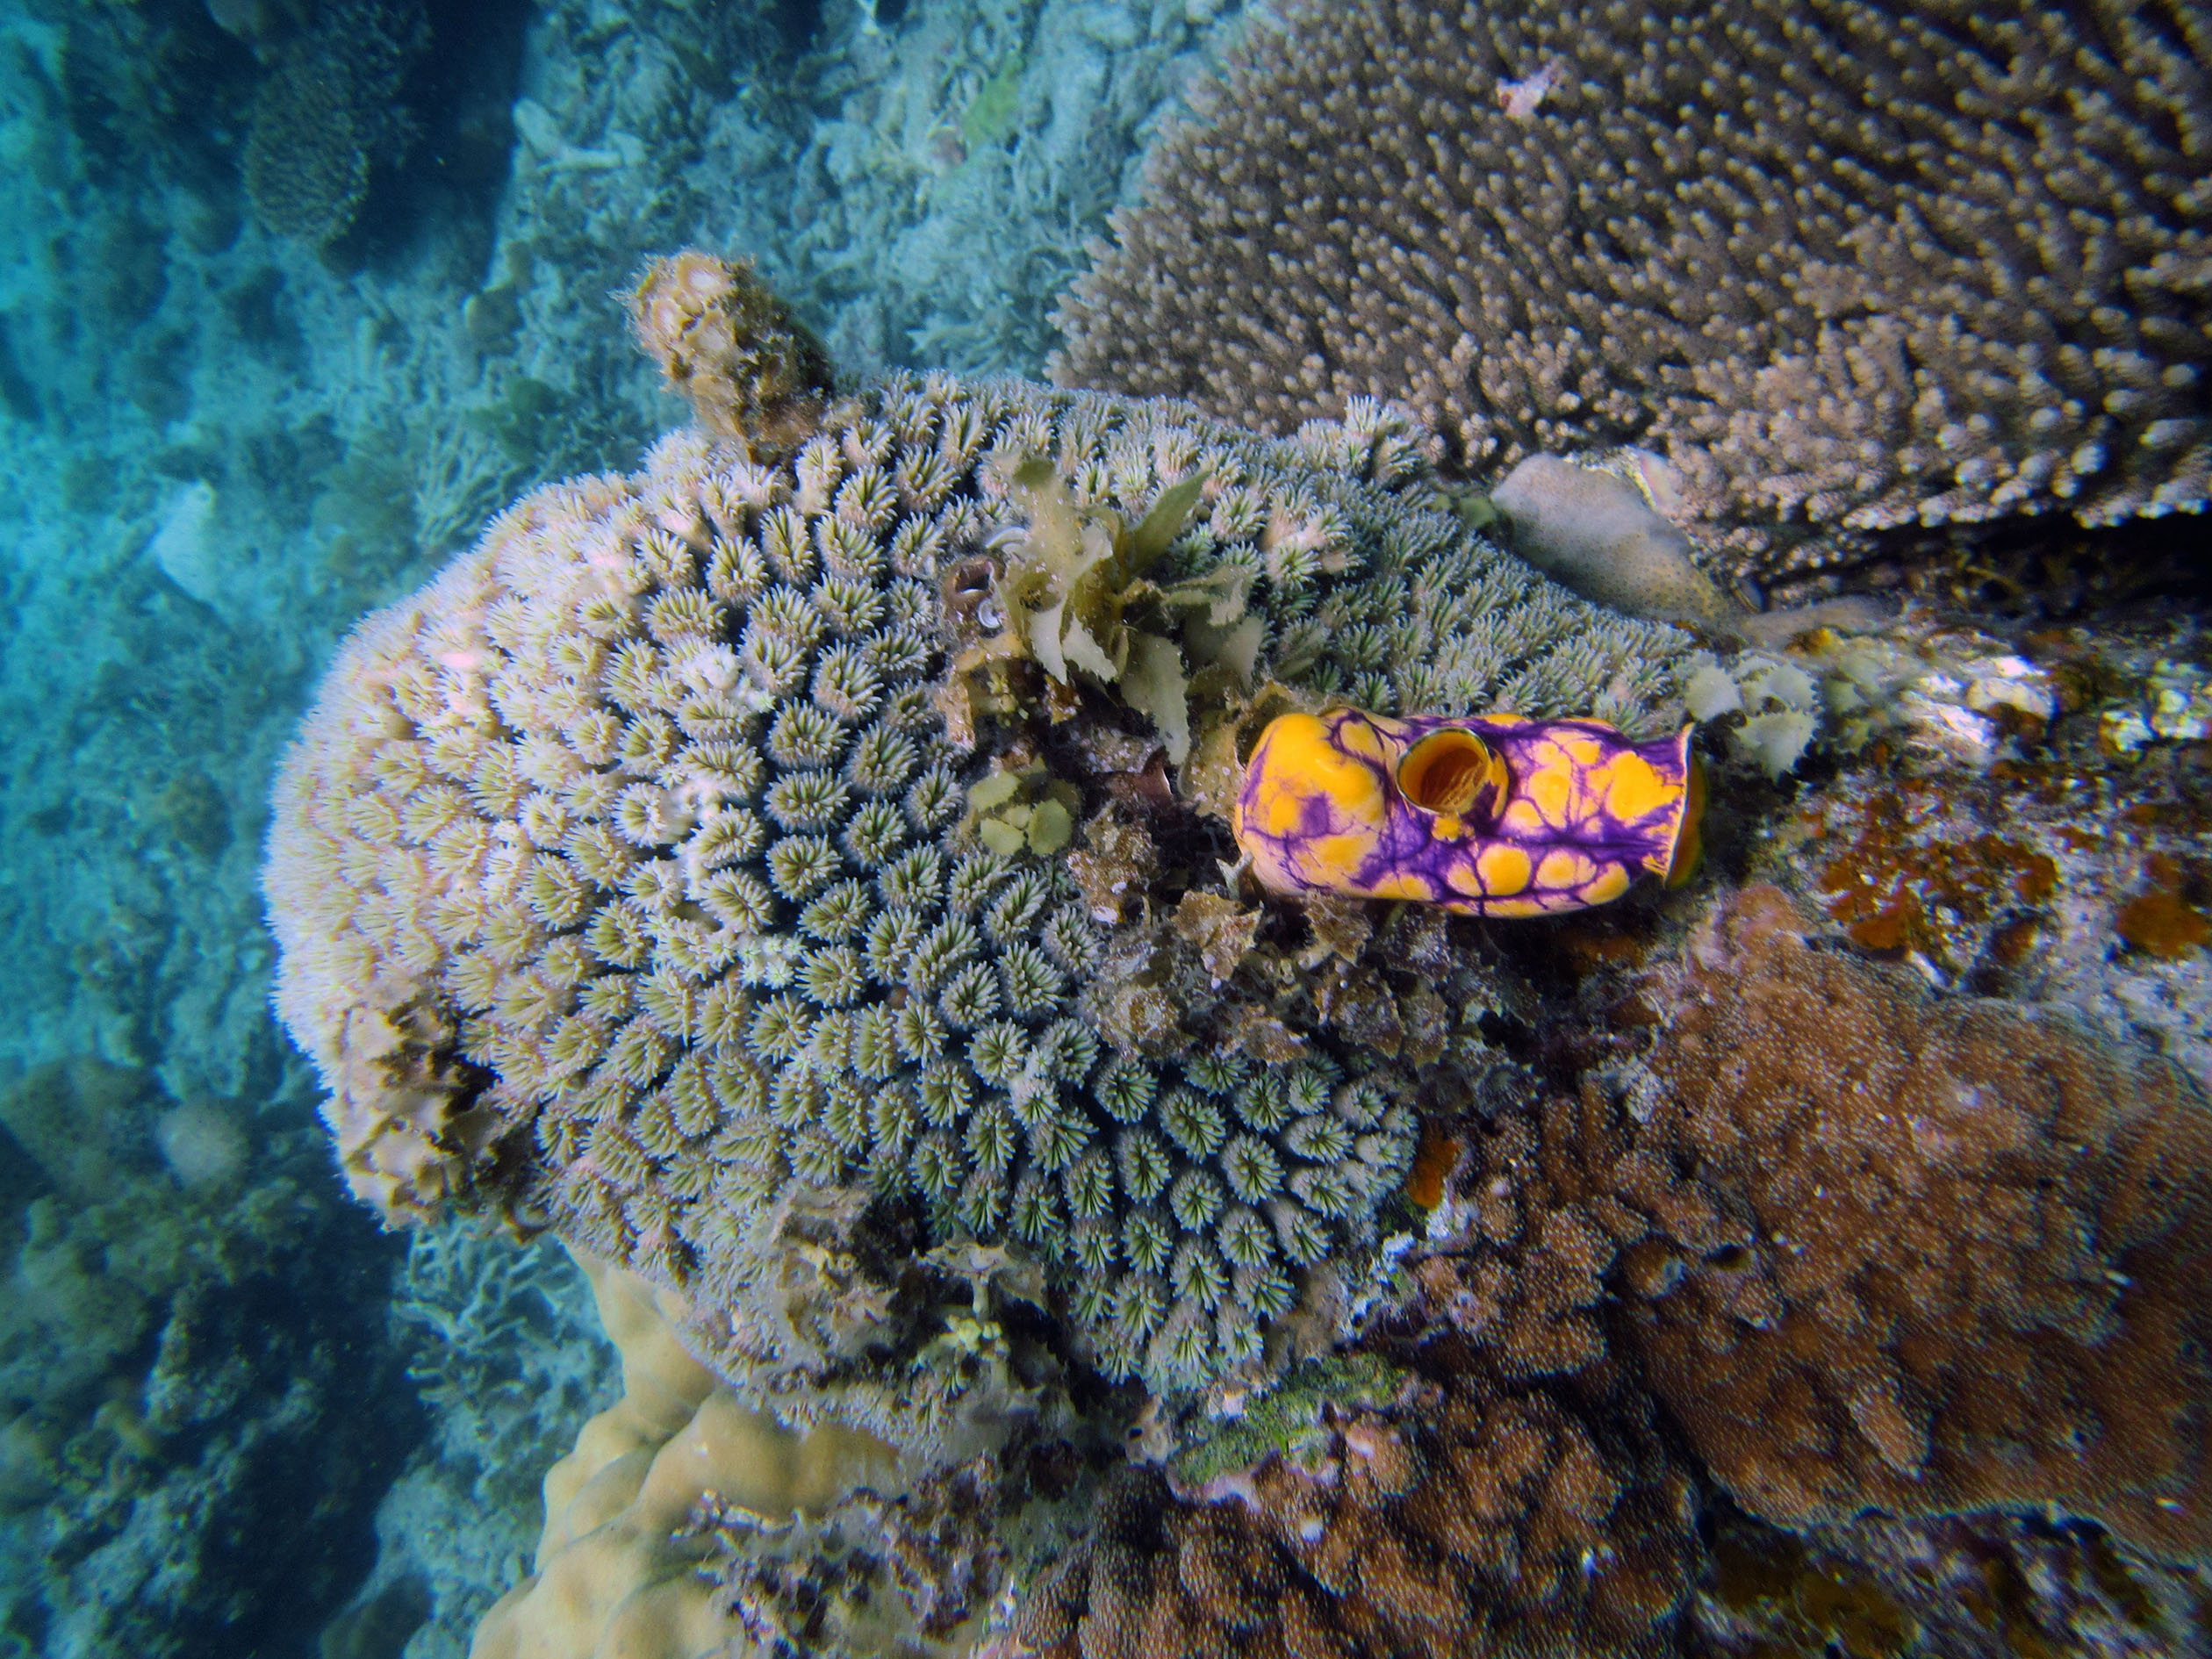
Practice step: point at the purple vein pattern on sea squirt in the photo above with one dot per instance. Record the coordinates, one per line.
(1549, 815)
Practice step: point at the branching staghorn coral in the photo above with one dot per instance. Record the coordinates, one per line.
(1844, 267)
(632, 878)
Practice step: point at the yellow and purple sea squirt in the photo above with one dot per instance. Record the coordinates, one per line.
(1486, 815)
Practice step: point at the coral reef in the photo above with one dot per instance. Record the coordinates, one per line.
(1955, 1252)
(799, 875)
(1984, 1584)
(1843, 268)
(626, 880)
(172, 1365)
(227, 443)
(1865, 1245)
(1468, 1517)
(327, 112)
(616, 1564)
(1550, 1216)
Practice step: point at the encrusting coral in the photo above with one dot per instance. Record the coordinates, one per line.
(1862, 1247)
(1956, 1252)
(1468, 1517)
(650, 872)
(1844, 267)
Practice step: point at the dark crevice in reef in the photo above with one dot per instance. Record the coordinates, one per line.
(288, 1544)
(457, 96)
(797, 23)
(202, 1458)
(2043, 569)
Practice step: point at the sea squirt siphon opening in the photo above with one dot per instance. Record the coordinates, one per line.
(1453, 771)
(1689, 848)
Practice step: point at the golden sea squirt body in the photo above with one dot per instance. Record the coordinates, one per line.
(1484, 814)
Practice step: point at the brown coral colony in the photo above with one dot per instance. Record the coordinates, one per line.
(1958, 1251)
(1947, 1256)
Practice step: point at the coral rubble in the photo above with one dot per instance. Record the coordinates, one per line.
(1862, 1247)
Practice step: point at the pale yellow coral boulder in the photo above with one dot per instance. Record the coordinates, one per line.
(616, 1566)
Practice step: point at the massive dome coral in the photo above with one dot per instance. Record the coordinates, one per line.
(724, 865)
(1844, 266)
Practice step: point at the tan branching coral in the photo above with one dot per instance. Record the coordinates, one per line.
(1843, 266)
(1961, 1253)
